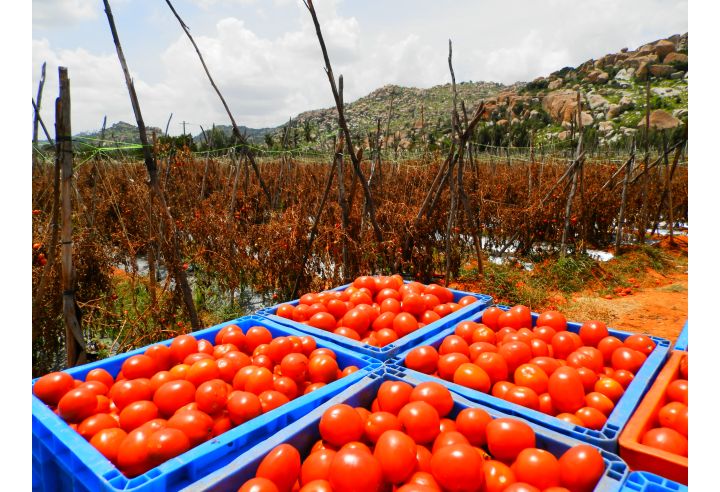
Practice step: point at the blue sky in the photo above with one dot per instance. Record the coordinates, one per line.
(267, 62)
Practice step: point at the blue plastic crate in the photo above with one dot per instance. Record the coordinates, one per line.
(607, 437)
(64, 460)
(386, 352)
(304, 433)
(649, 482)
(682, 340)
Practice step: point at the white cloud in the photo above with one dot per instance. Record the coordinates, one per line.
(56, 13)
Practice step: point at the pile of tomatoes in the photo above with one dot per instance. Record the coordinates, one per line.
(172, 398)
(670, 432)
(376, 310)
(406, 442)
(577, 377)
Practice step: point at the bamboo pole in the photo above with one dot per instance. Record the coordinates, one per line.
(172, 255)
(74, 340)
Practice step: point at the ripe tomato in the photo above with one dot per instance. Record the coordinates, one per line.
(317, 466)
(545, 404)
(472, 423)
(52, 387)
(588, 378)
(393, 395)
(490, 317)
(234, 336)
(322, 368)
(379, 422)
(181, 347)
(599, 401)
(537, 467)
(132, 455)
(420, 421)
(458, 467)
(258, 484)
(607, 346)
(501, 388)
(592, 418)
(284, 311)
(165, 444)
(281, 466)
(570, 418)
(77, 404)
(564, 343)
(341, 424)
(515, 353)
(506, 437)
(684, 367)
(243, 406)
(383, 321)
(107, 441)
(522, 315)
(211, 396)
(404, 324)
(678, 391)
(483, 333)
(554, 319)
(422, 359)
(357, 319)
(494, 366)
(173, 395)
(610, 388)
(196, 425)
(592, 332)
(498, 476)
(94, 424)
(447, 425)
(566, 390)
(544, 333)
(581, 467)
(257, 335)
(353, 469)
(453, 344)
(467, 300)
(137, 413)
(396, 452)
(286, 386)
(102, 376)
(472, 376)
(531, 376)
(448, 364)
(675, 416)
(271, 399)
(666, 439)
(524, 396)
(641, 343)
(627, 359)
(385, 337)
(547, 364)
(623, 377)
(436, 395)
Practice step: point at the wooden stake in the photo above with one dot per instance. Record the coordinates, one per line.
(41, 84)
(623, 200)
(74, 340)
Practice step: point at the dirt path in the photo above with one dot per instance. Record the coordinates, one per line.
(660, 310)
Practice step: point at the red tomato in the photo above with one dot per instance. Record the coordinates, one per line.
(94, 424)
(524, 396)
(490, 317)
(396, 452)
(52, 387)
(422, 359)
(458, 467)
(258, 485)
(404, 323)
(181, 347)
(285, 311)
(165, 444)
(521, 487)
(203, 370)
(393, 395)
(592, 418)
(108, 441)
(317, 466)
(472, 376)
(494, 366)
(684, 367)
(523, 316)
(448, 364)
(547, 364)
(501, 388)
(353, 469)
(678, 391)
(467, 300)
(588, 378)
(104, 377)
(243, 406)
(443, 293)
(623, 377)
(322, 368)
(564, 343)
(531, 376)
(554, 319)
(592, 332)
(257, 335)
(379, 422)
(286, 386)
(545, 404)
(484, 334)
(589, 357)
(610, 388)
(627, 359)
(341, 424)
(132, 455)
(196, 425)
(607, 346)
(675, 416)
(566, 390)
(211, 396)
(599, 401)
(472, 423)
(506, 437)
(515, 354)
(453, 344)
(498, 476)
(281, 466)
(173, 395)
(137, 413)
(666, 439)
(544, 333)
(537, 467)
(271, 399)
(420, 421)
(436, 395)
(465, 330)
(581, 467)
(77, 404)
(447, 425)
(235, 336)
(641, 343)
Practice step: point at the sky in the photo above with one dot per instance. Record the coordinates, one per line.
(266, 60)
